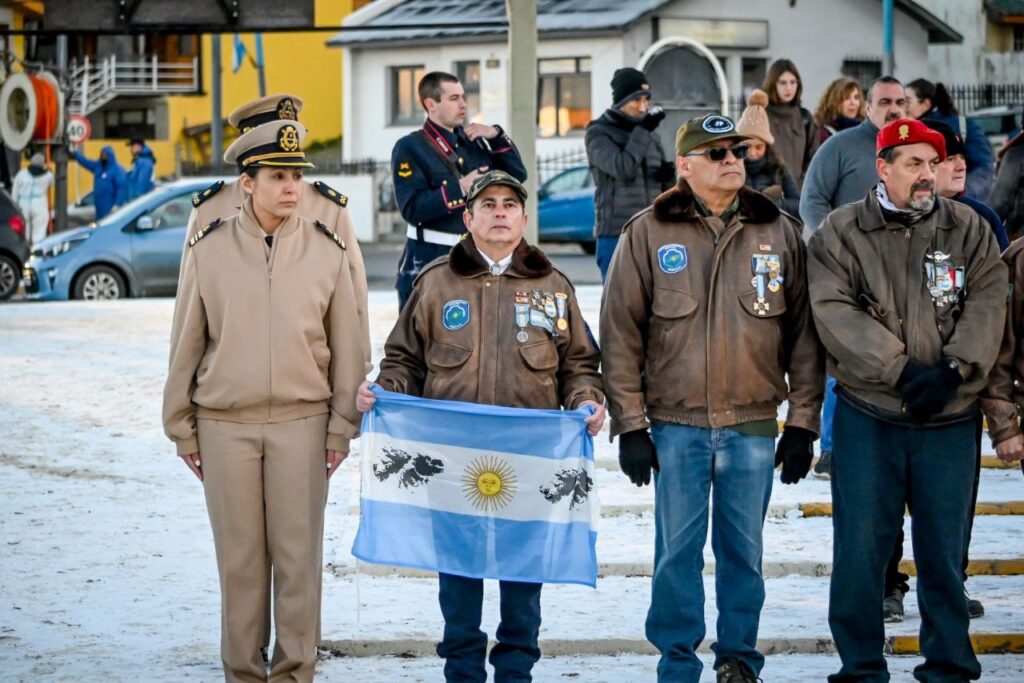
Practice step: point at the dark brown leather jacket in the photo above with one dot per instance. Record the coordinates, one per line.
(701, 326)
(883, 293)
(516, 340)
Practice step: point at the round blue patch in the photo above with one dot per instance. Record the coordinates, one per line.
(718, 125)
(672, 258)
(456, 314)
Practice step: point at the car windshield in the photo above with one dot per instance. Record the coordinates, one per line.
(132, 207)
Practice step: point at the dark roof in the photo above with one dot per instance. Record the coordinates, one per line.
(453, 20)
(1004, 9)
(938, 30)
(437, 19)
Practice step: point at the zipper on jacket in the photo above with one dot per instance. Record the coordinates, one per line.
(711, 298)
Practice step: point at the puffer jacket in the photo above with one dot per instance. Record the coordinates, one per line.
(629, 169)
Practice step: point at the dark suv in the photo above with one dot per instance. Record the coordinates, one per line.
(13, 246)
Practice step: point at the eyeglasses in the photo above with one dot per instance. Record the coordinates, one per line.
(719, 153)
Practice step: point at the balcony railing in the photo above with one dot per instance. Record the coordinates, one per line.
(98, 82)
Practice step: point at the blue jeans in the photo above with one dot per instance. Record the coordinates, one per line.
(464, 647)
(736, 469)
(877, 469)
(605, 250)
(828, 411)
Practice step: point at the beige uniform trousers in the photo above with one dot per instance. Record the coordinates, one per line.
(266, 487)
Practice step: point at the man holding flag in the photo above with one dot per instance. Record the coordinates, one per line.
(492, 323)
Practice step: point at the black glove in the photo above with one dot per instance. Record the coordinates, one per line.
(653, 118)
(930, 391)
(795, 452)
(637, 456)
(911, 370)
(667, 172)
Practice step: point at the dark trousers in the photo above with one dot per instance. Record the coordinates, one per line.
(894, 578)
(878, 468)
(464, 647)
(415, 255)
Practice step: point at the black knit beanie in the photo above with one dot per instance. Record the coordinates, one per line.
(628, 84)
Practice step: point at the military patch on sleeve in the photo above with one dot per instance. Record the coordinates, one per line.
(404, 170)
(330, 233)
(329, 192)
(204, 232)
(200, 197)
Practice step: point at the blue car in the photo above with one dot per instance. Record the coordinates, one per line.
(134, 251)
(566, 207)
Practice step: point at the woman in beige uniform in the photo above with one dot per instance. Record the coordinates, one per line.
(266, 357)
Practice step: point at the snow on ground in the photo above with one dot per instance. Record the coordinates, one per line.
(107, 557)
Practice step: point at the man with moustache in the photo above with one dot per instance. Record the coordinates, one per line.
(433, 169)
(909, 296)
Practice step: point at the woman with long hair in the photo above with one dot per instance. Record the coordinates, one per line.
(927, 100)
(793, 127)
(266, 358)
(841, 107)
(765, 172)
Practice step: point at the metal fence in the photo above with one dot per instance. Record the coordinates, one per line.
(971, 97)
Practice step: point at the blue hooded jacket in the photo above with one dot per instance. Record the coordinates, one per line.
(140, 177)
(110, 182)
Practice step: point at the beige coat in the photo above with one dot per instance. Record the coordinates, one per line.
(874, 310)
(260, 338)
(475, 356)
(684, 338)
(313, 206)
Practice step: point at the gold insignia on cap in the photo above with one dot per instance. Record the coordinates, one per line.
(904, 132)
(286, 109)
(288, 139)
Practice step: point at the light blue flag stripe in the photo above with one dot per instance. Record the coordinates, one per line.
(477, 547)
(540, 433)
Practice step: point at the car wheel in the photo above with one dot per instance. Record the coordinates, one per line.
(9, 276)
(589, 247)
(98, 283)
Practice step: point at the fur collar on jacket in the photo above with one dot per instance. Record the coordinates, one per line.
(527, 261)
(677, 205)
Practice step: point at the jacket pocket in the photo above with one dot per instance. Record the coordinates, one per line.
(672, 303)
(444, 355)
(540, 356)
(536, 385)
(873, 308)
(773, 305)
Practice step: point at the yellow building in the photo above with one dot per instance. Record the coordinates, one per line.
(177, 126)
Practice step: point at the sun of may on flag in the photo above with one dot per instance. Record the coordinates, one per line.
(478, 491)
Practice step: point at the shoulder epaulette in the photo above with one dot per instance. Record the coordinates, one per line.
(200, 197)
(329, 192)
(204, 232)
(330, 233)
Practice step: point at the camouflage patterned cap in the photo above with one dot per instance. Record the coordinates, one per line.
(492, 178)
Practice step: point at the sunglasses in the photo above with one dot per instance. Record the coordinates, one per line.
(719, 153)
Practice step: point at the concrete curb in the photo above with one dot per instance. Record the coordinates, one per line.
(984, 643)
(770, 570)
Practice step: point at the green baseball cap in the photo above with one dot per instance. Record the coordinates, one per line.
(704, 129)
(492, 178)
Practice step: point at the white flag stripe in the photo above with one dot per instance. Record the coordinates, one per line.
(477, 482)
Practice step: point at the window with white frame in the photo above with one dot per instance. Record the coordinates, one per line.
(404, 106)
(563, 96)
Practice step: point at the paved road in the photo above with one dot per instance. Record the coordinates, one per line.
(382, 262)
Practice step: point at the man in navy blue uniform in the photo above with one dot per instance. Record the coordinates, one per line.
(433, 168)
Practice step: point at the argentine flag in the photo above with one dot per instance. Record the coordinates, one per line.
(478, 491)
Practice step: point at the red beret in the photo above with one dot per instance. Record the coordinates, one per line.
(909, 132)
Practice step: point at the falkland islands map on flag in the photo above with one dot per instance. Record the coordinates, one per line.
(478, 491)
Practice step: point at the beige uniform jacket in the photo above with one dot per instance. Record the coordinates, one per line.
(258, 339)
(883, 293)
(458, 338)
(1002, 398)
(701, 322)
(313, 206)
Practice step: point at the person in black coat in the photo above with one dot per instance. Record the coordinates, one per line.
(626, 159)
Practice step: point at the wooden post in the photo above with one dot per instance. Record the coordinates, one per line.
(522, 96)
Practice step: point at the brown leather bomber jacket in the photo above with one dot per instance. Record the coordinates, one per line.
(1002, 398)
(700, 326)
(516, 340)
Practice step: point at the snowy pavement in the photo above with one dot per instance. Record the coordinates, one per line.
(109, 572)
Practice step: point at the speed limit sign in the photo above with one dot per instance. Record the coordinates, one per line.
(78, 129)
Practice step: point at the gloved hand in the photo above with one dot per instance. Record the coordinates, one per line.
(654, 117)
(911, 370)
(930, 391)
(795, 452)
(637, 456)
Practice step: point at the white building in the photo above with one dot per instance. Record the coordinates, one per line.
(992, 51)
(582, 42)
